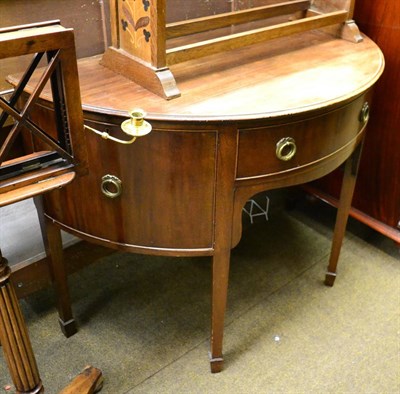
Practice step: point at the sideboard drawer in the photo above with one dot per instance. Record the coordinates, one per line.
(297, 143)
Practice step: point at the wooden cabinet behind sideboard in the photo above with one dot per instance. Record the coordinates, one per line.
(377, 196)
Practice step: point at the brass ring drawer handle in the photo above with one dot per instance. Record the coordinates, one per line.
(364, 113)
(286, 149)
(111, 186)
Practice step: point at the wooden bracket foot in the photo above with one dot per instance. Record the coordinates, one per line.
(350, 32)
(159, 81)
(89, 381)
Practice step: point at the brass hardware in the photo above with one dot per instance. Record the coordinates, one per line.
(364, 114)
(135, 127)
(111, 186)
(286, 149)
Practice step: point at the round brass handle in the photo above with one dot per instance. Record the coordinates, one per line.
(111, 186)
(286, 148)
(364, 113)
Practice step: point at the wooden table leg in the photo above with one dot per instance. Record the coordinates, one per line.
(346, 196)
(54, 250)
(18, 351)
(219, 297)
(222, 242)
(14, 338)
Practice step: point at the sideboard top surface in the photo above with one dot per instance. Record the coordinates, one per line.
(281, 77)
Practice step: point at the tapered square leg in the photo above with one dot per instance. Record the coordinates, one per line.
(346, 196)
(54, 250)
(219, 298)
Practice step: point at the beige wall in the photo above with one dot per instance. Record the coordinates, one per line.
(83, 16)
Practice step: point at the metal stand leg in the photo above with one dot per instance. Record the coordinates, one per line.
(14, 338)
(255, 209)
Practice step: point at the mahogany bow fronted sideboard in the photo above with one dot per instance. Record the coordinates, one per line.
(248, 120)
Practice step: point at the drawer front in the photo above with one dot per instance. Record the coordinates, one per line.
(268, 150)
(150, 194)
